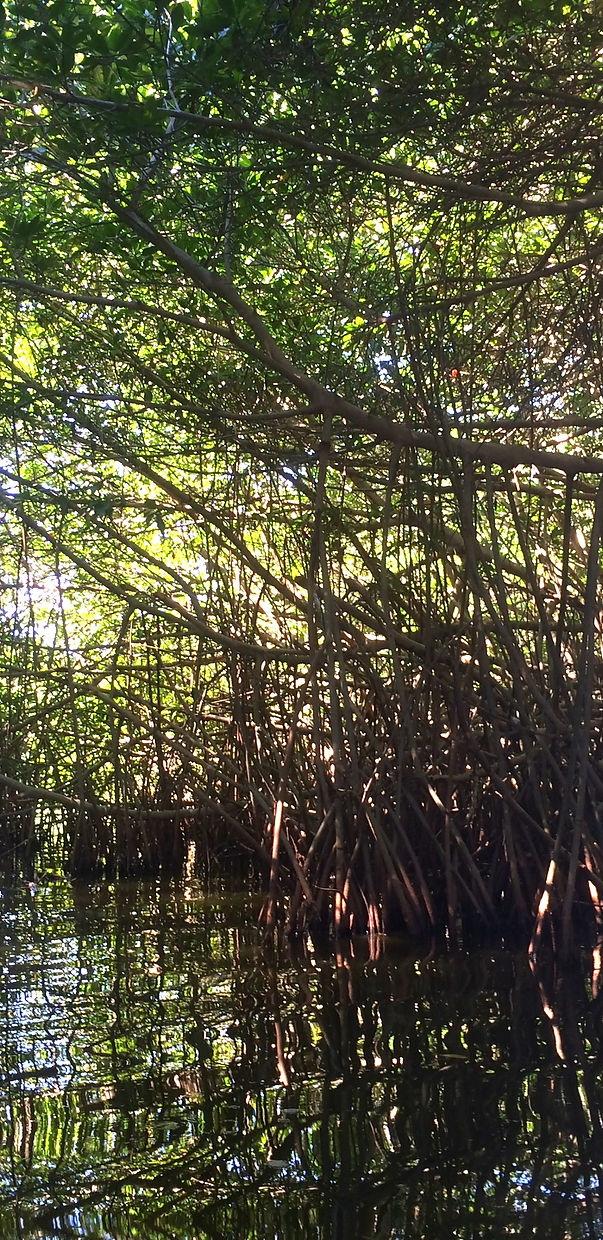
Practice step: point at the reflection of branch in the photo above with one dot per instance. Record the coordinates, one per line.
(281, 1063)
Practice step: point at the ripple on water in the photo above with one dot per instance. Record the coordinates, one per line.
(161, 1075)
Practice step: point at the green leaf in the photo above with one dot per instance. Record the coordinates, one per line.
(119, 38)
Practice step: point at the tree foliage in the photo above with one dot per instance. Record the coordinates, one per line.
(300, 446)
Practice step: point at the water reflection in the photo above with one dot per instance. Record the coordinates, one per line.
(162, 1075)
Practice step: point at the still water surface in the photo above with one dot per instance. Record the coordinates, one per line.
(162, 1075)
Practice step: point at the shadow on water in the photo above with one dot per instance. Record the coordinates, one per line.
(162, 1075)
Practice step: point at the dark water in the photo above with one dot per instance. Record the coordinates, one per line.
(161, 1075)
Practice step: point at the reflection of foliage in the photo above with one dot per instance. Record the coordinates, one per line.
(164, 1077)
(299, 446)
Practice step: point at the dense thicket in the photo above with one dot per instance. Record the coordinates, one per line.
(300, 450)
